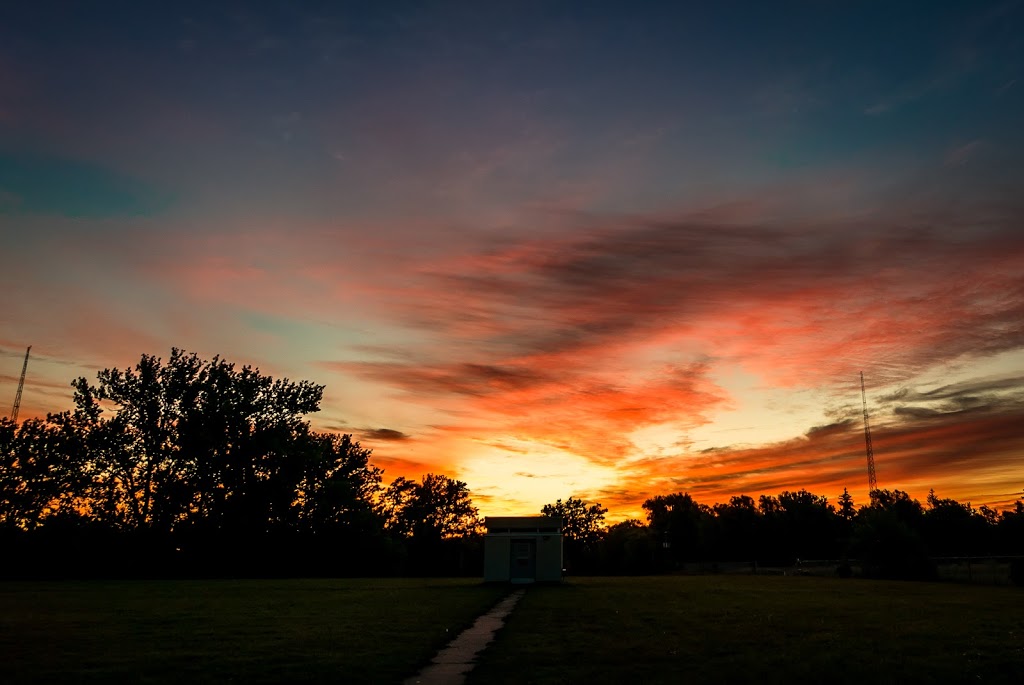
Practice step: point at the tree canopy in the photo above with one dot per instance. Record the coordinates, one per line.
(204, 455)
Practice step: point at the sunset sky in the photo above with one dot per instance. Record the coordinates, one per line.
(610, 250)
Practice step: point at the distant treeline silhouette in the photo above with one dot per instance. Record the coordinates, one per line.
(893, 536)
(188, 467)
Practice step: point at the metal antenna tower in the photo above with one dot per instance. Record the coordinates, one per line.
(872, 482)
(21, 386)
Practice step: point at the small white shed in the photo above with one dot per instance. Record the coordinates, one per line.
(523, 549)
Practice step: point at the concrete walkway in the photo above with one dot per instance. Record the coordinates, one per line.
(452, 663)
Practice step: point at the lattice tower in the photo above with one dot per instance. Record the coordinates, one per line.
(21, 387)
(872, 481)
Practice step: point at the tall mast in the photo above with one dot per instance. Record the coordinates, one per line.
(21, 386)
(872, 482)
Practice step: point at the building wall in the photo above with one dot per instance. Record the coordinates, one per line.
(498, 550)
(549, 558)
(496, 558)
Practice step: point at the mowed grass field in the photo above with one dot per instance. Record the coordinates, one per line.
(246, 631)
(757, 629)
(690, 629)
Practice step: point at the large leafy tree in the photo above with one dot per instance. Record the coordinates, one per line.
(338, 486)
(437, 508)
(680, 522)
(950, 527)
(582, 528)
(582, 522)
(804, 525)
(629, 548)
(887, 536)
(209, 445)
(738, 528)
(188, 439)
(186, 442)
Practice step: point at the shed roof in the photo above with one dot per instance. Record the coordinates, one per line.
(522, 522)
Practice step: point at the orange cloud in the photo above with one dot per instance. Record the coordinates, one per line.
(576, 341)
(955, 454)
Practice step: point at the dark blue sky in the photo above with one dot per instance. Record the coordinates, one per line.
(271, 95)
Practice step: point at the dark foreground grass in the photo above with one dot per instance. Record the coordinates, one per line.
(759, 630)
(254, 631)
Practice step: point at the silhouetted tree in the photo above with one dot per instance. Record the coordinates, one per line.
(436, 522)
(582, 524)
(738, 530)
(1010, 536)
(202, 457)
(808, 523)
(887, 537)
(899, 503)
(581, 521)
(338, 487)
(38, 477)
(990, 515)
(197, 441)
(629, 548)
(678, 521)
(1010, 530)
(396, 506)
(950, 528)
(437, 508)
(847, 510)
(798, 525)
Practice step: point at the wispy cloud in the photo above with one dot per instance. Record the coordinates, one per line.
(385, 434)
(911, 93)
(775, 298)
(962, 154)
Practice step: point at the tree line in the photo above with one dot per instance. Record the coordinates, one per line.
(192, 467)
(187, 466)
(892, 536)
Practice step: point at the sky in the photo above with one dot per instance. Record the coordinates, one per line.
(598, 249)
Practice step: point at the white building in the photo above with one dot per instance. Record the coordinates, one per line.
(523, 549)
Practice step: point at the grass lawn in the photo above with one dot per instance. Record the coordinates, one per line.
(709, 629)
(245, 631)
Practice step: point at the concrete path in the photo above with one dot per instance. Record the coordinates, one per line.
(452, 663)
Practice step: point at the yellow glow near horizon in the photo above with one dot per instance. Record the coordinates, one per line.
(521, 476)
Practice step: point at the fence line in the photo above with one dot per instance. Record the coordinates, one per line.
(985, 570)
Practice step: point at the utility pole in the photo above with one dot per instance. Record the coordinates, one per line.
(21, 386)
(872, 482)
